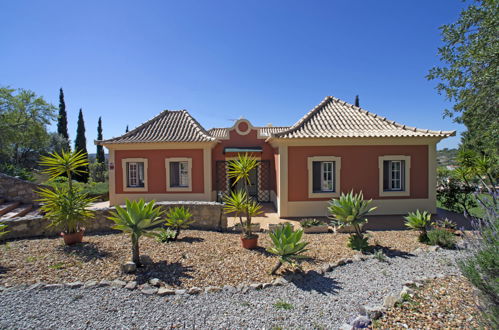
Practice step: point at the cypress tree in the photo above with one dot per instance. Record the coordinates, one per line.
(81, 145)
(126, 130)
(62, 119)
(357, 101)
(100, 150)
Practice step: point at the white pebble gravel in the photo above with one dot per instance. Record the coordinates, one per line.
(317, 301)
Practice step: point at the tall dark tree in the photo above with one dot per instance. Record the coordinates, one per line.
(100, 150)
(126, 130)
(62, 119)
(81, 144)
(468, 74)
(357, 104)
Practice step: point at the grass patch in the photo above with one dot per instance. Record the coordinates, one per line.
(31, 259)
(283, 305)
(59, 265)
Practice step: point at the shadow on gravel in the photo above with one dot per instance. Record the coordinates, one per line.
(191, 240)
(86, 251)
(3, 269)
(313, 281)
(391, 253)
(170, 273)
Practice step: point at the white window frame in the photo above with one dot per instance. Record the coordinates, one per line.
(406, 179)
(336, 178)
(189, 174)
(124, 161)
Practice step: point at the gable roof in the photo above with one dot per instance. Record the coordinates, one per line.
(266, 131)
(168, 126)
(336, 118)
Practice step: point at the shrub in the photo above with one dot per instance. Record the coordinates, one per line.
(379, 255)
(419, 221)
(442, 238)
(307, 223)
(137, 219)
(358, 243)
(165, 235)
(481, 268)
(287, 245)
(350, 210)
(3, 229)
(445, 223)
(178, 218)
(16, 171)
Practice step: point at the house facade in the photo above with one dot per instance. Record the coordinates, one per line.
(336, 147)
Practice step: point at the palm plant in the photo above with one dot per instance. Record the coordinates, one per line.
(66, 207)
(287, 245)
(419, 221)
(178, 218)
(351, 210)
(137, 219)
(239, 202)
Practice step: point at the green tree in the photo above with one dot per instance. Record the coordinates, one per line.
(62, 120)
(81, 146)
(24, 118)
(469, 76)
(126, 130)
(100, 150)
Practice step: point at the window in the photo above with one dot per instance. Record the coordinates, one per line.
(134, 174)
(324, 176)
(178, 176)
(394, 178)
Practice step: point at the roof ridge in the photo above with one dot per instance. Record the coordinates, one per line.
(159, 115)
(198, 125)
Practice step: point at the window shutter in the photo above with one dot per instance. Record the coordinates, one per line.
(140, 170)
(402, 175)
(386, 175)
(127, 174)
(316, 175)
(174, 174)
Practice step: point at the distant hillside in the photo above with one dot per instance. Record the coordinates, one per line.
(446, 157)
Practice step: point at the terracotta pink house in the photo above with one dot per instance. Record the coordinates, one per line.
(336, 147)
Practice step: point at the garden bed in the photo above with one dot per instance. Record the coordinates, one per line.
(444, 303)
(200, 258)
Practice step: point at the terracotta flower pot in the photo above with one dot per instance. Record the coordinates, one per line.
(249, 243)
(70, 239)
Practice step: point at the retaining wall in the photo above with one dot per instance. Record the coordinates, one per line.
(14, 189)
(206, 215)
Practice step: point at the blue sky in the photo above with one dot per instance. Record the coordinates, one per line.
(268, 61)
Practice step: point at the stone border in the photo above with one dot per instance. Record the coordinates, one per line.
(154, 287)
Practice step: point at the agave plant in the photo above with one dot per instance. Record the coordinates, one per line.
(287, 245)
(66, 207)
(350, 210)
(419, 221)
(137, 219)
(178, 218)
(165, 235)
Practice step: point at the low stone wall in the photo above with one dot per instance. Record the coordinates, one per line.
(14, 189)
(206, 215)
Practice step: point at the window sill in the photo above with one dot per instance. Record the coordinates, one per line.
(323, 194)
(393, 193)
(132, 189)
(176, 189)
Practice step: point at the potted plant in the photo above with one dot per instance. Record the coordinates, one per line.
(239, 202)
(314, 226)
(66, 206)
(255, 227)
(350, 210)
(137, 219)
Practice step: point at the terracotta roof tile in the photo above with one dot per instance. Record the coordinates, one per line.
(336, 118)
(168, 126)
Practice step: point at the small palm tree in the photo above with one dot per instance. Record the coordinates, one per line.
(419, 221)
(178, 218)
(351, 210)
(66, 163)
(287, 245)
(137, 219)
(239, 169)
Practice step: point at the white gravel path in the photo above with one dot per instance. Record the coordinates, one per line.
(317, 301)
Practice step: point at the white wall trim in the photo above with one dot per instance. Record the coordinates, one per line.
(407, 176)
(125, 180)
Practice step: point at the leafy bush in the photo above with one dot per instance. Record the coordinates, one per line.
(137, 219)
(178, 218)
(445, 223)
(287, 245)
(419, 221)
(442, 238)
(307, 223)
(350, 210)
(379, 255)
(454, 195)
(16, 171)
(481, 268)
(165, 235)
(92, 189)
(358, 243)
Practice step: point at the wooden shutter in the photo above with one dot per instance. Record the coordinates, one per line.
(174, 174)
(316, 176)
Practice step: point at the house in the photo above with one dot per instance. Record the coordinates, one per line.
(336, 147)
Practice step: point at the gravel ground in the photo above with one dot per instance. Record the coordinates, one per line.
(314, 302)
(199, 258)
